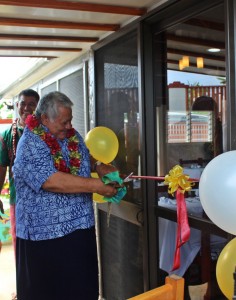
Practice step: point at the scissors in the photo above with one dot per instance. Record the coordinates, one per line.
(127, 178)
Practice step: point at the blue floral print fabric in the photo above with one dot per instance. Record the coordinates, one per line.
(43, 215)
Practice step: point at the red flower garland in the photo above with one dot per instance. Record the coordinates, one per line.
(55, 149)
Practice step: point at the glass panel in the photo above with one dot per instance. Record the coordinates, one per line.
(198, 256)
(195, 122)
(189, 126)
(118, 109)
(122, 260)
(118, 106)
(195, 113)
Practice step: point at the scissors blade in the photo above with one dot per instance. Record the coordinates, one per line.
(127, 178)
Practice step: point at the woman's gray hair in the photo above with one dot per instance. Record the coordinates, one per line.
(50, 103)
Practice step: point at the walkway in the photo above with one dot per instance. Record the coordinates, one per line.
(7, 272)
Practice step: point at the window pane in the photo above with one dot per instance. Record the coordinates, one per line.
(193, 134)
(118, 106)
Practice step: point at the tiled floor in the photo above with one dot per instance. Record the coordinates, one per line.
(7, 272)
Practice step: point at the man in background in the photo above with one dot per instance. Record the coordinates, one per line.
(26, 104)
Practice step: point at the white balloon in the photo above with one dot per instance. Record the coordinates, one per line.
(217, 191)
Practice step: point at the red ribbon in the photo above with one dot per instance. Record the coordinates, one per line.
(183, 229)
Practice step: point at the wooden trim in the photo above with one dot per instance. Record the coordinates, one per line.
(173, 289)
(29, 37)
(196, 54)
(195, 41)
(17, 48)
(92, 7)
(206, 24)
(57, 24)
(30, 55)
(5, 121)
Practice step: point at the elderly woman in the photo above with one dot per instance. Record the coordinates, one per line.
(56, 244)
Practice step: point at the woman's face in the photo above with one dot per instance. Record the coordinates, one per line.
(59, 126)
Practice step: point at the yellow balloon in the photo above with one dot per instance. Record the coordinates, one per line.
(102, 143)
(96, 197)
(225, 268)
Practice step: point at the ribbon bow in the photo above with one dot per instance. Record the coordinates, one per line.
(179, 183)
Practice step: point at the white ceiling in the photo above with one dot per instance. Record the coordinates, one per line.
(55, 32)
(52, 33)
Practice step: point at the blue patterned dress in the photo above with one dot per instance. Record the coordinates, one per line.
(56, 245)
(43, 215)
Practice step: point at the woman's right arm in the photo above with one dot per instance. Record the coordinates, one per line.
(61, 182)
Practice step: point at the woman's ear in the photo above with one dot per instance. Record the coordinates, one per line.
(44, 119)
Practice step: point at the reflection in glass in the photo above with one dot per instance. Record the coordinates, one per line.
(118, 106)
(187, 126)
(194, 114)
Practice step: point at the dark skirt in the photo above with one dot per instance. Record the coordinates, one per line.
(59, 269)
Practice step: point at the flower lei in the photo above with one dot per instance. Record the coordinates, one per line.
(55, 149)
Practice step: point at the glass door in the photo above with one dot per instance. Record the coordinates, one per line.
(121, 238)
(191, 124)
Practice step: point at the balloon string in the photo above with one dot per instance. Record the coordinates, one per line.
(108, 213)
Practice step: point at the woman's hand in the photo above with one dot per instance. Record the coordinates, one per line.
(100, 168)
(103, 169)
(107, 190)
